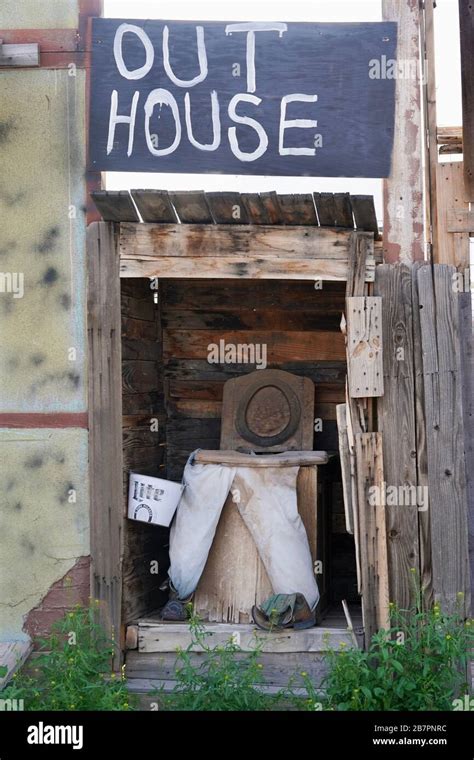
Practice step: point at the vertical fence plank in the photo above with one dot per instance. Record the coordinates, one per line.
(396, 418)
(467, 370)
(439, 314)
(424, 529)
(372, 530)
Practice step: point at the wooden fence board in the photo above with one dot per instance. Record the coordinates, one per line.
(466, 23)
(372, 529)
(467, 370)
(445, 436)
(364, 346)
(453, 247)
(424, 529)
(396, 417)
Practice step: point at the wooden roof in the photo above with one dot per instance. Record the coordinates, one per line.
(340, 210)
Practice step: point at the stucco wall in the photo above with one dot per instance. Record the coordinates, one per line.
(44, 521)
(38, 14)
(42, 137)
(44, 504)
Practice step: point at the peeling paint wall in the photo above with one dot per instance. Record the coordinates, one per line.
(43, 530)
(39, 14)
(44, 499)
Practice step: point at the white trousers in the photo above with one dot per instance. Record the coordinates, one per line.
(266, 500)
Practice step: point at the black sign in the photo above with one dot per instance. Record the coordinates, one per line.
(243, 98)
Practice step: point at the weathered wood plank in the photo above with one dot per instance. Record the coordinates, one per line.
(359, 251)
(345, 466)
(280, 346)
(445, 436)
(372, 531)
(453, 247)
(200, 369)
(319, 318)
(396, 415)
(343, 209)
(364, 213)
(140, 376)
(166, 637)
(299, 242)
(460, 220)
(466, 23)
(326, 208)
(325, 393)
(286, 459)
(105, 433)
(403, 233)
(297, 209)
(154, 206)
(240, 266)
(240, 295)
(191, 207)
(208, 408)
(449, 135)
(144, 403)
(271, 205)
(424, 529)
(139, 329)
(364, 346)
(467, 371)
(227, 208)
(428, 64)
(234, 578)
(115, 205)
(138, 308)
(144, 350)
(277, 670)
(256, 211)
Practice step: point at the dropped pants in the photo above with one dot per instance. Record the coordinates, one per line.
(266, 500)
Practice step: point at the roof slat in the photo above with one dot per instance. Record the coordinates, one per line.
(272, 207)
(227, 208)
(115, 205)
(297, 208)
(191, 206)
(324, 203)
(364, 213)
(154, 206)
(256, 211)
(343, 208)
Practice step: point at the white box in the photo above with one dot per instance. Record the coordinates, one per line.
(152, 500)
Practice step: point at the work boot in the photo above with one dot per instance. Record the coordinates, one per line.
(175, 608)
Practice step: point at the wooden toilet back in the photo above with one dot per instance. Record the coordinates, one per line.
(268, 410)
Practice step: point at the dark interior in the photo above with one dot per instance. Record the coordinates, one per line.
(172, 399)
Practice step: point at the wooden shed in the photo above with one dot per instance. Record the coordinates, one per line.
(170, 273)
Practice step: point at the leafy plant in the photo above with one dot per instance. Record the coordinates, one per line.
(73, 671)
(226, 678)
(420, 663)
